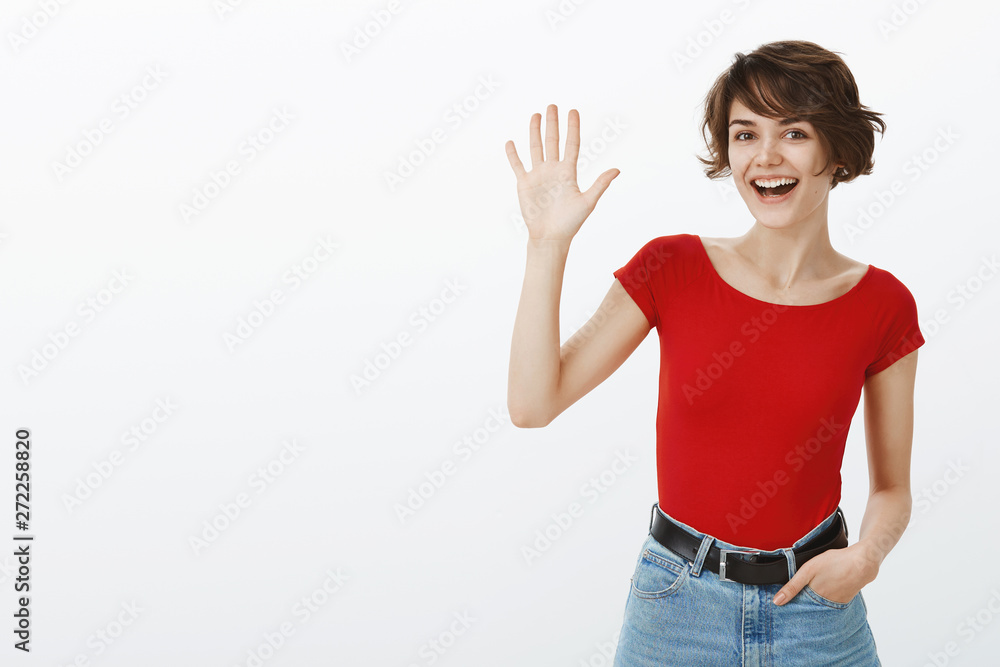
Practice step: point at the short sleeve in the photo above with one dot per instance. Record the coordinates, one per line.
(643, 277)
(900, 332)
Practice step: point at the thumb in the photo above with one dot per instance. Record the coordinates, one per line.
(600, 185)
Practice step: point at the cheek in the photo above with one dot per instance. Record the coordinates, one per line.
(736, 162)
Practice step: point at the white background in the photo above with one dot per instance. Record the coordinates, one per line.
(332, 508)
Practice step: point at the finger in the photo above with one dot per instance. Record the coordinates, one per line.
(515, 161)
(790, 589)
(552, 134)
(535, 139)
(600, 185)
(573, 137)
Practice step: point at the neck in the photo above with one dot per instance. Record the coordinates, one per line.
(789, 256)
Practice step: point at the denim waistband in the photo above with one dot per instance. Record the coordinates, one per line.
(729, 545)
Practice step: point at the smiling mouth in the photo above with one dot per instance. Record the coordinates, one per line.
(776, 191)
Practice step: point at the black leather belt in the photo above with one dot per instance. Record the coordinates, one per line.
(752, 568)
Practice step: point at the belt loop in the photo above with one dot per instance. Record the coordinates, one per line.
(652, 512)
(843, 520)
(699, 558)
(790, 557)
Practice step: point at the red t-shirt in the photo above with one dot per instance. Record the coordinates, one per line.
(756, 398)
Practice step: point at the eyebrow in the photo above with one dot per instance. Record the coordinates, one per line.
(750, 123)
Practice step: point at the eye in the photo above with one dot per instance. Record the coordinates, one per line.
(738, 136)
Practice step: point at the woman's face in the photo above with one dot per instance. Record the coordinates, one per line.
(769, 149)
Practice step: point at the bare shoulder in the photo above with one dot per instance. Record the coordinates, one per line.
(717, 248)
(709, 242)
(722, 254)
(853, 269)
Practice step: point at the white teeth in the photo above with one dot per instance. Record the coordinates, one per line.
(773, 183)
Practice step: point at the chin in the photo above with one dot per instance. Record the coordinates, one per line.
(774, 221)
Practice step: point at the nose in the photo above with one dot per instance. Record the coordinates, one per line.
(767, 152)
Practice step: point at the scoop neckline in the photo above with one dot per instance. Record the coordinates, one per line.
(714, 272)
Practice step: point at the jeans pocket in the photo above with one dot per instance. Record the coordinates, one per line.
(810, 594)
(659, 573)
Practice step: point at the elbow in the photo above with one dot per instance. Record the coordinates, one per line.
(523, 416)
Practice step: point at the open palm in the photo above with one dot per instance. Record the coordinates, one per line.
(551, 202)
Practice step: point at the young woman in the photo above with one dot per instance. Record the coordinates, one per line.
(766, 342)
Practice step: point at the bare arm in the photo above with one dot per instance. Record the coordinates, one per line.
(889, 437)
(544, 378)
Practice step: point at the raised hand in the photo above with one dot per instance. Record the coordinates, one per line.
(551, 202)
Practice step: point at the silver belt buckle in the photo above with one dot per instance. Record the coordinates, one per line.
(722, 561)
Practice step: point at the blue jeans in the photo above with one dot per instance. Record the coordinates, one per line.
(680, 613)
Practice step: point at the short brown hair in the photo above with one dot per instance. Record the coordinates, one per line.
(794, 79)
